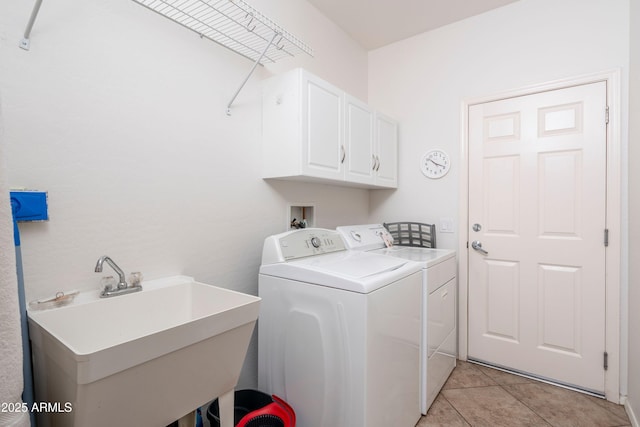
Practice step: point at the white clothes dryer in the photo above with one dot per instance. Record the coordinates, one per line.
(438, 349)
(339, 331)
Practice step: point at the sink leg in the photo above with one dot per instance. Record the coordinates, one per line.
(188, 420)
(225, 403)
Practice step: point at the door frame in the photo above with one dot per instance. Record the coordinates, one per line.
(613, 262)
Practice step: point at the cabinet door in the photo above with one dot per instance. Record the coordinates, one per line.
(359, 142)
(323, 149)
(386, 148)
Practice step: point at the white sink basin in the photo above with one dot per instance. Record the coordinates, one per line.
(145, 358)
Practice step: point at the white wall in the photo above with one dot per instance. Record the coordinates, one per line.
(422, 81)
(120, 115)
(633, 403)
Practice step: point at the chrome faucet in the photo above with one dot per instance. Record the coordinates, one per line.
(122, 287)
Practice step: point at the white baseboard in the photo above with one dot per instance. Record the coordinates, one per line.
(632, 416)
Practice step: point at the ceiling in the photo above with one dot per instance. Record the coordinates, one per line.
(376, 23)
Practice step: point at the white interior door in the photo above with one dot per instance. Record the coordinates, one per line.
(537, 181)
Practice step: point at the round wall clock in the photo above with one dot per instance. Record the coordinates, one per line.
(435, 164)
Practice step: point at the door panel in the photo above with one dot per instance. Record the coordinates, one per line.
(359, 141)
(560, 290)
(387, 151)
(560, 188)
(502, 183)
(322, 129)
(537, 180)
(503, 300)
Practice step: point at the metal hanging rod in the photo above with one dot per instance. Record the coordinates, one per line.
(25, 43)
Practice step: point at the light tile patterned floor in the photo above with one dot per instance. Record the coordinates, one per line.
(478, 396)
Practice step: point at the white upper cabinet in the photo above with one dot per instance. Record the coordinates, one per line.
(314, 131)
(359, 140)
(322, 138)
(386, 149)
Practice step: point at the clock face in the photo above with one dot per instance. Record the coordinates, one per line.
(435, 164)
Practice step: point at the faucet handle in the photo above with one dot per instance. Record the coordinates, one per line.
(135, 278)
(108, 283)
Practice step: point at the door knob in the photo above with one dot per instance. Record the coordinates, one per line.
(477, 245)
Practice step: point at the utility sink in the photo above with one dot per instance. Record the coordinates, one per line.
(143, 359)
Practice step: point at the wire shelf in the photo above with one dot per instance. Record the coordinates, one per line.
(233, 24)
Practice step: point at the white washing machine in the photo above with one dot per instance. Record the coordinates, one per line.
(339, 331)
(439, 332)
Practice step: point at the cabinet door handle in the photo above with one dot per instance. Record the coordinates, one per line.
(373, 161)
(378, 162)
(344, 154)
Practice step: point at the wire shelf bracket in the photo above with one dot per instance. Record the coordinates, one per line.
(255, 64)
(235, 25)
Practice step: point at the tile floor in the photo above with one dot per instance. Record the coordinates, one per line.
(478, 396)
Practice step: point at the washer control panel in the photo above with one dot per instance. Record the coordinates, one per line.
(308, 242)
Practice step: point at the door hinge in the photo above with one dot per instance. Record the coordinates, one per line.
(606, 115)
(606, 237)
(606, 360)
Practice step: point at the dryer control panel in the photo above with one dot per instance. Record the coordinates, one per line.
(300, 244)
(365, 237)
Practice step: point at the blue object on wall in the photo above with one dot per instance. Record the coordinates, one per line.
(26, 206)
(29, 205)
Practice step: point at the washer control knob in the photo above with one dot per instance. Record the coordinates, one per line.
(315, 242)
